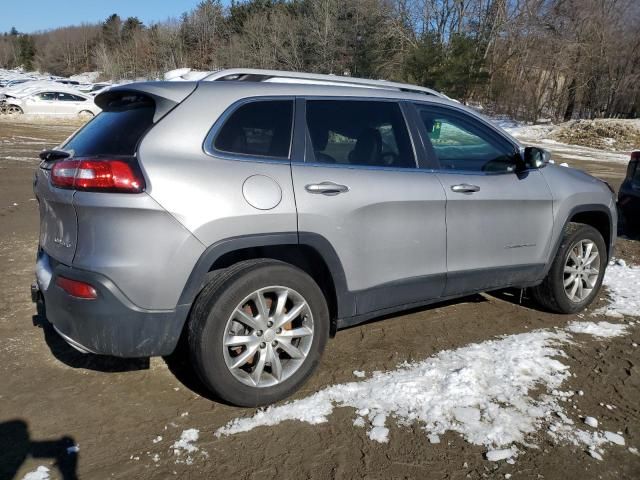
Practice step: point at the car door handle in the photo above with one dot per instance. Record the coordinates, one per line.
(326, 188)
(465, 188)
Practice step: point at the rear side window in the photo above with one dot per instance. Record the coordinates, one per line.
(67, 97)
(353, 132)
(261, 128)
(117, 130)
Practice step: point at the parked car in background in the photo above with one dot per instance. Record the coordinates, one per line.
(67, 82)
(52, 102)
(254, 218)
(629, 196)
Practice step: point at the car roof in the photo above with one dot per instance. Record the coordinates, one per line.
(281, 76)
(243, 89)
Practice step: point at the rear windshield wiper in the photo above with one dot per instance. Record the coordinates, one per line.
(51, 155)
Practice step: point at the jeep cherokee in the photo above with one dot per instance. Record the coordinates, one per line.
(254, 213)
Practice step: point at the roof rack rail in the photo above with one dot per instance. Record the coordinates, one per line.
(279, 76)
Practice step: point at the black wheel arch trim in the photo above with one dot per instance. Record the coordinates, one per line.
(198, 277)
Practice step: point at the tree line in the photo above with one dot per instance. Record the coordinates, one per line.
(530, 59)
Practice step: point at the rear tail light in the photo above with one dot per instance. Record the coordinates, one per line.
(77, 289)
(97, 175)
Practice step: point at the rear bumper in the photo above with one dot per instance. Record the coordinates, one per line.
(109, 325)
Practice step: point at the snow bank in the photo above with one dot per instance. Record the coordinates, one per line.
(623, 285)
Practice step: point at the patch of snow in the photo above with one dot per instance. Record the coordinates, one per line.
(379, 434)
(379, 420)
(600, 329)
(157, 439)
(433, 438)
(40, 473)
(622, 282)
(591, 421)
(464, 390)
(595, 454)
(634, 450)
(359, 373)
(73, 449)
(614, 438)
(497, 455)
(185, 444)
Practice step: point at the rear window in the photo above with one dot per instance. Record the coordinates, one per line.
(261, 128)
(117, 130)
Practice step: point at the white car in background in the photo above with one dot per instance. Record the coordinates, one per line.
(53, 102)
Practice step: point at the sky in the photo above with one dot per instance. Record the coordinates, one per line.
(29, 16)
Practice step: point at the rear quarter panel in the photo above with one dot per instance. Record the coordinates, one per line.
(133, 241)
(203, 192)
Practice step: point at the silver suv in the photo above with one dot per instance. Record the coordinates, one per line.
(254, 213)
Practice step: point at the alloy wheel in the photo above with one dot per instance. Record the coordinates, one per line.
(268, 336)
(581, 270)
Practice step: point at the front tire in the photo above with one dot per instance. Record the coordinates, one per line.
(257, 332)
(577, 271)
(14, 110)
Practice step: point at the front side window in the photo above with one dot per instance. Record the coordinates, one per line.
(48, 96)
(261, 128)
(462, 143)
(352, 132)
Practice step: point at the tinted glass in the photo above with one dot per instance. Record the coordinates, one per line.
(261, 128)
(359, 133)
(67, 97)
(462, 143)
(47, 96)
(117, 130)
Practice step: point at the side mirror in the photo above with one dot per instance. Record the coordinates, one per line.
(535, 157)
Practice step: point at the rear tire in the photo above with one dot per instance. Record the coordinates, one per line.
(276, 362)
(572, 282)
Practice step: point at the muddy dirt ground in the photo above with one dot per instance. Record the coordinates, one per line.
(52, 397)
